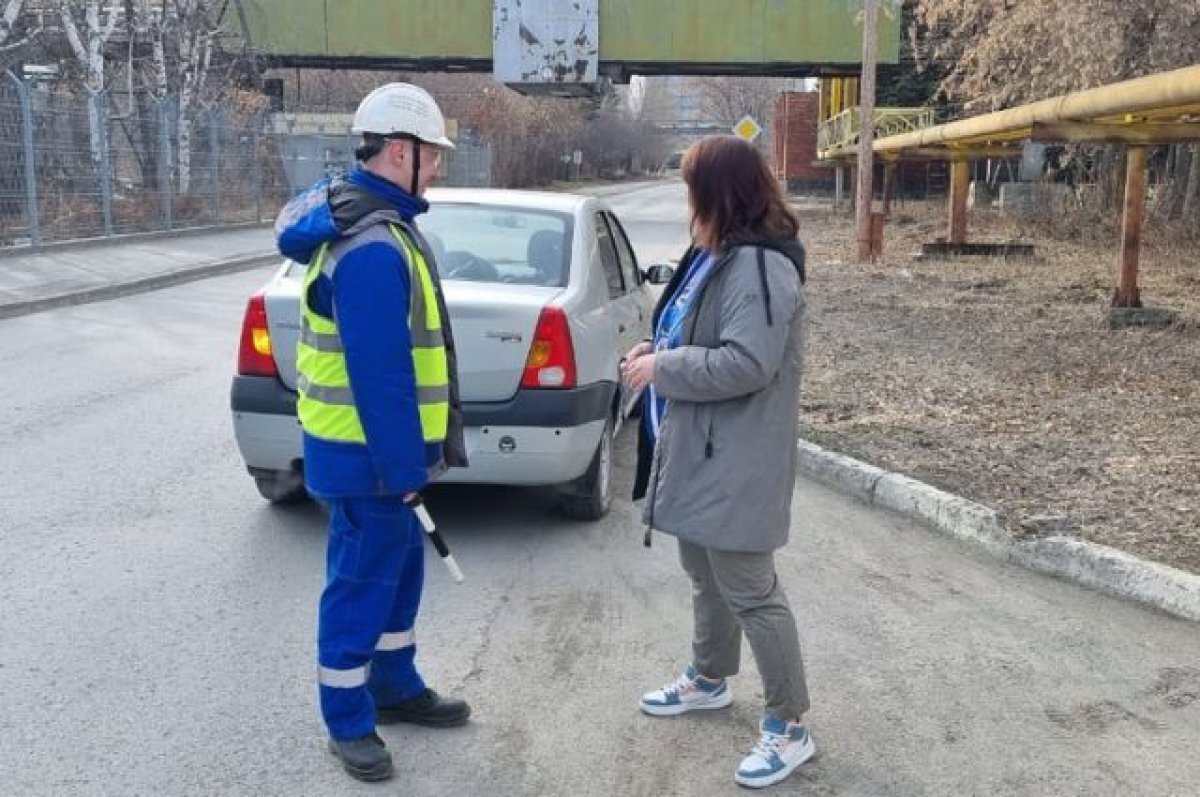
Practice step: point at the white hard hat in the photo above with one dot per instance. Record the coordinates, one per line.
(405, 109)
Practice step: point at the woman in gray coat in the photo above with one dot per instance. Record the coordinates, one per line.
(717, 450)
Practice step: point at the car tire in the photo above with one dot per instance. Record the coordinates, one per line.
(591, 495)
(282, 487)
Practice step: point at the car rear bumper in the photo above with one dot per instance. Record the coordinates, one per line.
(537, 437)
(265, 424)
(528, 455)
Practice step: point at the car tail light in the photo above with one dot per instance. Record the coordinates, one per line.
(551, 361)
(254, 353)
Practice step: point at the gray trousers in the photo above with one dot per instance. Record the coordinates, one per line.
(735, 592)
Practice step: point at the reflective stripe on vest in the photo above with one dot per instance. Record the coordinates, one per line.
(326, 404)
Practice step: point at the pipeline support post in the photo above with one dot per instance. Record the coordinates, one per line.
(889, 187)
(1133, 213)
(960, 188)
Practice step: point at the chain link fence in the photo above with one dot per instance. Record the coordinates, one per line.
(84, 166)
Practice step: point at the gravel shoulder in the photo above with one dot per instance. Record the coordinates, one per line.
(1001, 380)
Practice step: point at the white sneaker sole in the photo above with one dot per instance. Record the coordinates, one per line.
(718, 701)
(764, 781)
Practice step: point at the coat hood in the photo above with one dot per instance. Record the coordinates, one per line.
(791, 248)
(339, 208)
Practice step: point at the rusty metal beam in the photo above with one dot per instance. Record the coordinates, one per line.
(1126, 294)
(1178, 88)
(1145, 133)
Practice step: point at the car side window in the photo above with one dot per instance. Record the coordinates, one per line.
(629, 269)
(609, 258)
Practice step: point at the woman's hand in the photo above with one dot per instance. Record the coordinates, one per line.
(637, 351)
(638, 372)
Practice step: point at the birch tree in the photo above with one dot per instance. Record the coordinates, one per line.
(12, 22)
(194, 36)
(181, 42)
(152, 28)
(148, 81)
(88, 28)
(12, 11)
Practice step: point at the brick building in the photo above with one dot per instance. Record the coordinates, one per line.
(795, 147)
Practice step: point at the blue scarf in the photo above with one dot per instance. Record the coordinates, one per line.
(669, 333)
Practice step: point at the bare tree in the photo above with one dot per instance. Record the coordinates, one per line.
(332, 90)
(532, 139)
(12, 10)
(195, 41)
(1001, 54)
(88, 30)
(12, 20)
(1004, 53)
(528, 135)
(655, 101)
(182, 44)
(727, 99)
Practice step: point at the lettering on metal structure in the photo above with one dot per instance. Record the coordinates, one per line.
(545, 41)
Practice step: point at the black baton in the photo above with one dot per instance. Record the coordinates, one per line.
(418, 506)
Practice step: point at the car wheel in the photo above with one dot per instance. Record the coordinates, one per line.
(281, 487)
(591, 495)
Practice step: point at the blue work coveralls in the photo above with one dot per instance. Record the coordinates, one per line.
(366, 642)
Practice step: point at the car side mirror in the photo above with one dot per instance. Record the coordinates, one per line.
(659, 275)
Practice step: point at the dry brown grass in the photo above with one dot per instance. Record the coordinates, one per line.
(1001, 381)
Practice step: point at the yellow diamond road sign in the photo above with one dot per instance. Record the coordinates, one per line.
(747, 128)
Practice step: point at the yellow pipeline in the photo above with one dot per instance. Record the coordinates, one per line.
(1176, 92)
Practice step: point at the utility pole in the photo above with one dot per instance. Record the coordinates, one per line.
(866, 136)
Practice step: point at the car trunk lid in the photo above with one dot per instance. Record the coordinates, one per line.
(493, 328)
(283, 320)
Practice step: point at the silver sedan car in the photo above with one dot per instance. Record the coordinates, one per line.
(544, 294)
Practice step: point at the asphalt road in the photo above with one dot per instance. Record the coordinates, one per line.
(157, 618)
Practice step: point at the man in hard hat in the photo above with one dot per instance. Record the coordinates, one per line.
(378, 405)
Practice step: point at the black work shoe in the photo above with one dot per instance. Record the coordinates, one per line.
(365, 758)
(428, 708)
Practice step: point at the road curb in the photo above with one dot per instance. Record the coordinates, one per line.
(128, 288)
(150, 236)
(1089, 564)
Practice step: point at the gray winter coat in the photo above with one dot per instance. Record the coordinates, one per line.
(725, 463)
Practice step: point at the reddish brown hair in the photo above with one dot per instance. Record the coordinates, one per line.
(733, 194)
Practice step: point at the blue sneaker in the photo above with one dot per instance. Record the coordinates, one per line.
(782, 747)
(689, 693)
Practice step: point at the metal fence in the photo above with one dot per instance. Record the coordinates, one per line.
(83, 166)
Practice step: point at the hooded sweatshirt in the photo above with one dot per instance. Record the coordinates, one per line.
(368, 297)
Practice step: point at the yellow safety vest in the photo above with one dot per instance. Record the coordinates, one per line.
(326, 405)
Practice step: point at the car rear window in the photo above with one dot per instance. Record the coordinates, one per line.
(488, 243)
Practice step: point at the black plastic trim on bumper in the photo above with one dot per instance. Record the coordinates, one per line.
(264, 395)
(573, 407)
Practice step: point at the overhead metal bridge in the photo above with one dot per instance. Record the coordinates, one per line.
(555, 46)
